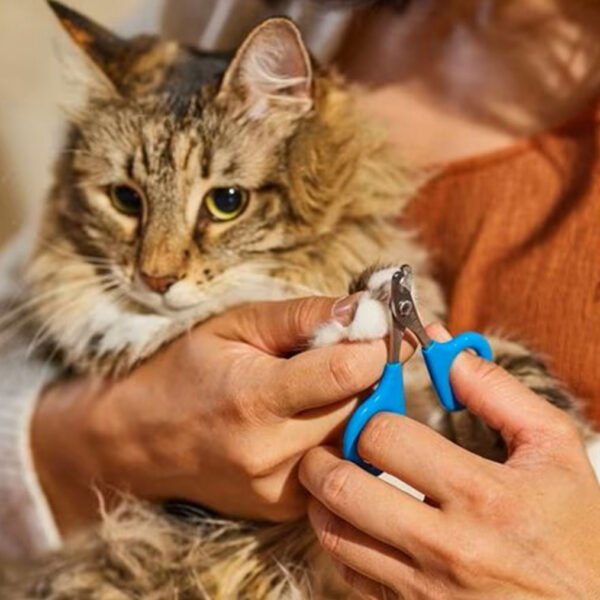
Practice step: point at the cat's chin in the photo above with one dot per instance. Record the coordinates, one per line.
(155, 304)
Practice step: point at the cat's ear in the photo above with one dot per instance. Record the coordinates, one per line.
(271, 69)
(102, 47)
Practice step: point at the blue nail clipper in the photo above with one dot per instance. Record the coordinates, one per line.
(438, 356)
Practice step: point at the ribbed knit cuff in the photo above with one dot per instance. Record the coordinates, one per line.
(27, 527)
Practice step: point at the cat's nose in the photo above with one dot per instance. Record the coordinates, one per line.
(161, 284)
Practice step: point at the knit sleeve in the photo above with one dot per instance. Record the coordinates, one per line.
(27, 527)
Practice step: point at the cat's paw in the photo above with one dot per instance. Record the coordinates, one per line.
(371, 319)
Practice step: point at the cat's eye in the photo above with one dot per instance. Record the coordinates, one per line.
(126, 199)
(226, 203)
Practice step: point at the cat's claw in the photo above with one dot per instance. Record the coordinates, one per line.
(371, 319)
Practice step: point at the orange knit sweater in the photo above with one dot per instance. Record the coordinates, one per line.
(515, 241)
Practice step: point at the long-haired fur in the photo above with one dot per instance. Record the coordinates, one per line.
(321, 191)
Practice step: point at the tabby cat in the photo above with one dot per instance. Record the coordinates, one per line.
(191, 182)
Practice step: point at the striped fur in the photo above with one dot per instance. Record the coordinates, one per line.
(325, 190)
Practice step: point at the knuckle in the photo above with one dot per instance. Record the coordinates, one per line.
(564, 428)
(498, 501)
(560, 438)
(277, 502)
(301, 316)
(257, 464)
(380, 431)
(240, 404)
(461, 558)
(248, 456)
(428, 589)
(330, 537)
(464, 555)
(268, 492)
(487, 497)
(243, 397)
(488, 371)
(277, 510)
(343, 370)
(233, 397)
(335, 486)
(243, 403)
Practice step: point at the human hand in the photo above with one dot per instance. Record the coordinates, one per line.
(218, 417)
(529, 528)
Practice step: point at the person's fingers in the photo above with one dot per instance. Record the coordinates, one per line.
(367, 588)
(374, 506)
(274, 445)
(500, 400)
(317, 427)
(419, 456)
(318, 377)
(363, 554)
(282, 327)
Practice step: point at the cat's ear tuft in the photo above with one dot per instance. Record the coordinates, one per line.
(100, 45)
(271, 69)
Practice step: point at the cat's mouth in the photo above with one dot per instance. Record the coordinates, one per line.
(179, 301)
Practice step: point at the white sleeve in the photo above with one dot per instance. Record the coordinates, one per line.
(593, 451)
(27, 527)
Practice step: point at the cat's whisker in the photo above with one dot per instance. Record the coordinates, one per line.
(83, 261)
(45, 297)
(44, 331)
(68, 253)
(9, 332)
(24, 314)
(114, 293)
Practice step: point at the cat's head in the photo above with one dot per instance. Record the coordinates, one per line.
(178, 168)
(195, 181)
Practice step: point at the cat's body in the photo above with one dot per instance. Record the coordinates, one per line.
(121, 273)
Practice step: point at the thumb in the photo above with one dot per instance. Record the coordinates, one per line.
(285, 326)
(498, 398)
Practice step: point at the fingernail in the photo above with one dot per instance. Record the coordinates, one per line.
(345, 308)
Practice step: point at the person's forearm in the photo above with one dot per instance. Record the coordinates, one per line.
(62, 446)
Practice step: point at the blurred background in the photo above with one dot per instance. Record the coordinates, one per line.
(33, 86)
(32, 89)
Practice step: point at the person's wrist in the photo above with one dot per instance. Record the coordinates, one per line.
(62, 456)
